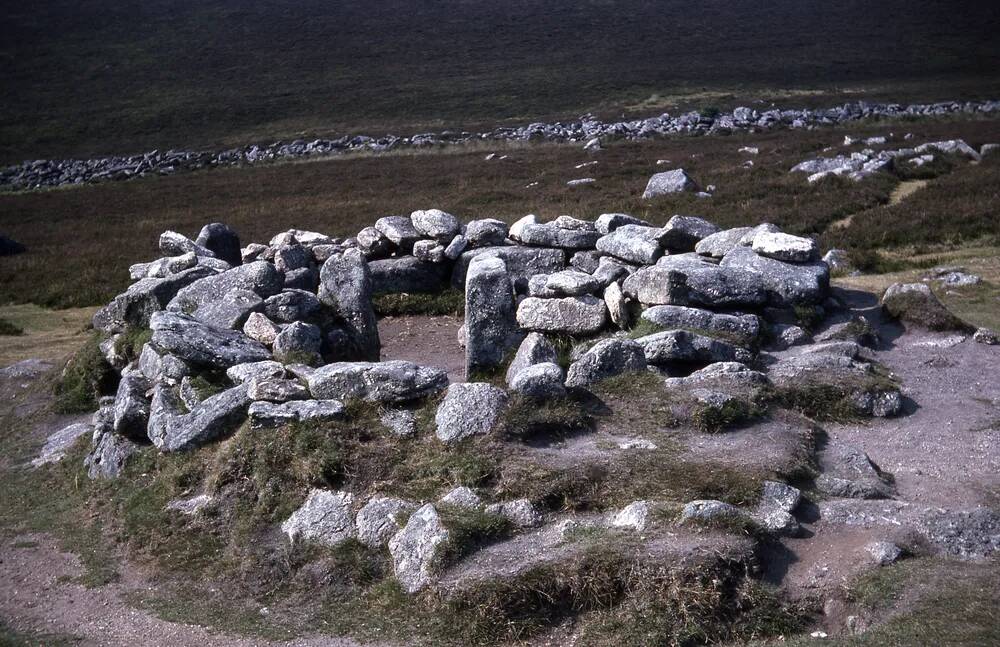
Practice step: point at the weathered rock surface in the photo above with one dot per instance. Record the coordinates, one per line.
(916, 305)
(384, 382)
(785, 283)
(535, 349)
(221, 241)
(347, 288)
(202, 345)
(682, 233)
(135, 306)
(415, 548)
(406, 274)
(605, 359)
(263, 415)
(633, 243)
(668, 182)
(657, 285)
(469, 409)
(260, 277)
(744, 329)
(491, 329)
(682, 346)
(60, 442)
(539, 381)
(572, 315)
(325, 518)
(380, 519)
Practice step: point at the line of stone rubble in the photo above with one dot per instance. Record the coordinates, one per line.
(38, 174)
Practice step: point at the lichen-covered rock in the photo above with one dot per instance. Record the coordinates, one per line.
(259, 277)
(657, 285)
(259, 328)
(539, 381)
(131, 412)
(201, 345)
(172, 243)
(633, 243)
(485, 233)
(915, 304)
(709, 510)
(849, 473)
(519, 512)
(373, 243)
(745, 329)
(682, 346)
(415, 548)
(298, 343)
(682, 233)
(667, 182)
(399, 230)
(571, 315)
(221, 241)
(785, 283)
(785, 247)
(171, 430)
(618, 308)
(347, 289)
(388, 382)
(462, 497)
(469, 409)
(634, 516)
(884, 553)
(406, 274)
(109, 452)
(291, 305)
(522, 262)
(267, 369)
(606, 359)
(264, 415)
(535, 349)
(436, 224)
(325, 518)
(134, 307)
(570, 283)
(551, 235)
(721, 243)
(276, 390)
(608, 222)
(491, 329)
(59, 443)
(380, 519)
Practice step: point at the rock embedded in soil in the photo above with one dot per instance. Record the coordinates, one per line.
(469, 409)
(916, 305)
(380, 519)
(606, 359)
(416, 547)
(199, 344)
(265, 415)
(535, 349)
(667, 182)
(325, 518)
(491, 327)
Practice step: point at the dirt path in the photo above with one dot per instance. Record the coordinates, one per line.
(905, 190)
(37, 594)
(430, 341)
(944, 455)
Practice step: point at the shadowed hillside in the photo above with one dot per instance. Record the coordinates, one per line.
(87, 77)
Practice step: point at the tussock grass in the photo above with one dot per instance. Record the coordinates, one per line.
(85, 378)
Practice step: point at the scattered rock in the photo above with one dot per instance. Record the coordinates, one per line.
(667, 182)
(415, 548)
(469, 409)
(325, 518)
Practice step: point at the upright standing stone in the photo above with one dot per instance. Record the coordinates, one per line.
(490, 314)
(222, 241)
(346, 286)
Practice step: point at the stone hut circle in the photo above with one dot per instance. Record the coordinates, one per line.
(725, 321)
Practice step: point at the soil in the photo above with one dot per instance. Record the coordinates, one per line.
(431, 341)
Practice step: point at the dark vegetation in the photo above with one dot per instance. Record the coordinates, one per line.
(82, 78)
(83, 239)
(10, 329)
(84, 379)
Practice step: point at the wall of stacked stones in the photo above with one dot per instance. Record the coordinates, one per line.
(290, 329)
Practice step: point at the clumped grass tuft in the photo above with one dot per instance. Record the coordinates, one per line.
(622, 599)
(129, 344)
(711, 420)
(529, 420)
(449, 302)
(469, 530)
(85, 378)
